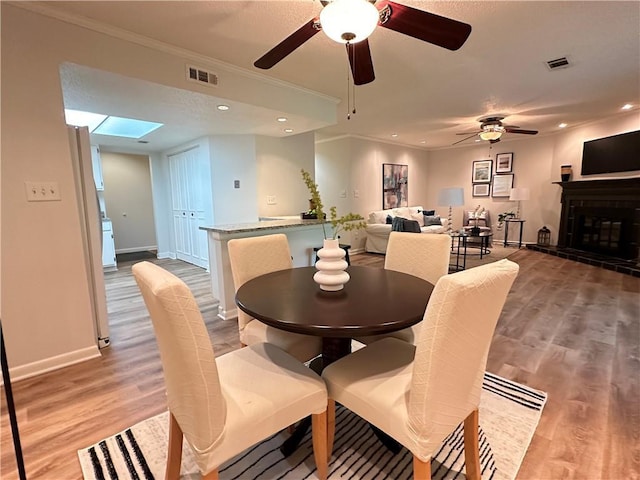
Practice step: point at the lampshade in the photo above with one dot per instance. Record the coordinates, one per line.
(491, 132)
(451, 197)
(519, 194)
(349, 20)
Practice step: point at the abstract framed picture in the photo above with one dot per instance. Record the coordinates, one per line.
(395, 188)
(481, 189)
(481, 171)
(502, 185)
(504, 162)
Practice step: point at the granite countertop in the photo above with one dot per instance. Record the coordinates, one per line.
(270, 224)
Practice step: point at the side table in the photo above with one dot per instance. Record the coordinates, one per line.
(506, 230)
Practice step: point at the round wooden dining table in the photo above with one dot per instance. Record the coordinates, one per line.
(373, 301)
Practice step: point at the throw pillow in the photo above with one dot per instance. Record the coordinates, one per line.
(432, 220)
(429, 213)
(389, 220)
(411, 226)
(418, 217)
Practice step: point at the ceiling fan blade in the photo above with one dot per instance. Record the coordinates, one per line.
(519, 130)
(460, 141)
(469, 133)
(288, 45)
(361, 62)
(429, 27)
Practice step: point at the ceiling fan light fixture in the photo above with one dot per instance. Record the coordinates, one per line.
(349, 20)
(491, 132)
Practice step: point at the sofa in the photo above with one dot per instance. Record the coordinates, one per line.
(379, 225)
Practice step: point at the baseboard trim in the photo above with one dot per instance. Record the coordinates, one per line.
(170, 255)
(136, 249)
(53, 363)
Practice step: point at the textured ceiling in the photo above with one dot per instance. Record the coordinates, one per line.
(422, 93)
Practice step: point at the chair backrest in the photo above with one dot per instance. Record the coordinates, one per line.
(191, 378)
(484, 219)
(254, 256)
(452, 348)
(425, 255)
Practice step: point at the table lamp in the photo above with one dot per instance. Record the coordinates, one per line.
(451, 197)
(519, 194)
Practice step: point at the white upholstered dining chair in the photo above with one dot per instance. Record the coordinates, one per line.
(254, 256)
(419, 394)
(422, 255)
(224, 405)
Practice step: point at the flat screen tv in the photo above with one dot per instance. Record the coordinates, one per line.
(619, 153)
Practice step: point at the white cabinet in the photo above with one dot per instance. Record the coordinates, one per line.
(96, 163)
(108, 246)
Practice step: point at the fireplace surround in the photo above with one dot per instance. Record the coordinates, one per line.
(601, 217)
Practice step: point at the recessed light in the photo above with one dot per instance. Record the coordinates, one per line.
(562, 125)
(223, 108)
(423, 141)
(282, 119)
(394, 135)
(627, 106)
(288, 130)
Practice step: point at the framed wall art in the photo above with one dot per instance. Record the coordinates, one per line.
(481, 171)
(502, 185)
(395, 188)
(504, 162)
(481, 189)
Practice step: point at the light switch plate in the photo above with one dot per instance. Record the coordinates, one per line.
(42, 191)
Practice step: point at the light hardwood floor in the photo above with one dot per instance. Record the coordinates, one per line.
(567, 328)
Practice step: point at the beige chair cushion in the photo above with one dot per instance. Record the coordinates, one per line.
(423, 256)
(223, 405)
(254, 256)
(419, 403)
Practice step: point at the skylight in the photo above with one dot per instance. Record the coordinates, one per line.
(83, 119)
(112, 126)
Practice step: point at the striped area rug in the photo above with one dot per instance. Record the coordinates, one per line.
(509, 414)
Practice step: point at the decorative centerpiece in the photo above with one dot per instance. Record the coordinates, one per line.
(475, 230)
(331, 266)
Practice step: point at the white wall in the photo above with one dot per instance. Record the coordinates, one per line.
(233, 157)
(279, 165)
(128, 199)
(45, 238)
(355, 165)
(536, 165)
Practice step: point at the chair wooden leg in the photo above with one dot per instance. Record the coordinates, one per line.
(319, 434)
(331, 426)
(472, 446)
(212, 475)
(421, 470)
(174, 452)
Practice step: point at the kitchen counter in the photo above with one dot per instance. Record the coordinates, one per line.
(302, 235)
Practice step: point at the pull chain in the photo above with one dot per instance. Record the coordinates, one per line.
(352, 62)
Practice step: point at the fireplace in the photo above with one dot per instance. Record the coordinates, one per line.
(601, 217)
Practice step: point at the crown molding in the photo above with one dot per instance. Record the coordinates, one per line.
(147, 42)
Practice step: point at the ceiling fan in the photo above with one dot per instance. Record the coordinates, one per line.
(492, 128)
(352, 21)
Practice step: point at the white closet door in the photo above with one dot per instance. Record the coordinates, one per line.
(188, 174)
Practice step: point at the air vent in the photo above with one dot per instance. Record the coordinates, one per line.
(199, 75)
(561, 62)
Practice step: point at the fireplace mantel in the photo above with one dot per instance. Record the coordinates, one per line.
(615, 203)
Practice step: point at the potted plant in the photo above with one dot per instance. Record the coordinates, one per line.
(505, 216)
(331, 275)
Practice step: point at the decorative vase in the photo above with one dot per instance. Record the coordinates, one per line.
(565, 172)
(331, 275)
